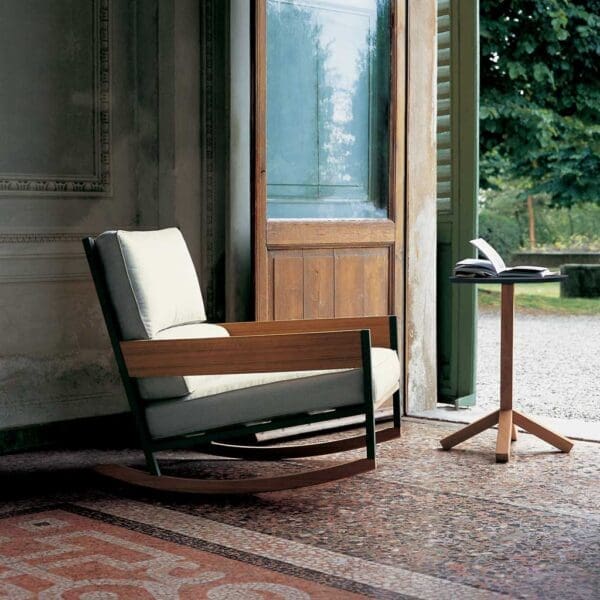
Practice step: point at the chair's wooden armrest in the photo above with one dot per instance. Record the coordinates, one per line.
(245, 354)
(380, 327)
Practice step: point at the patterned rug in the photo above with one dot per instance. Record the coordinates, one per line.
(71, 552)
(426, 524)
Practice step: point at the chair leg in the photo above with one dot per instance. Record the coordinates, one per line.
(371, 440)
(151, 462)
(371, 435)
(396, 409)
(184, 485)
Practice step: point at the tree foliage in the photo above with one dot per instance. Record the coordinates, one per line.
(540, 97)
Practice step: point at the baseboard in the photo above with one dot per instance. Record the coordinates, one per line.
(118, 431)
(109, 431)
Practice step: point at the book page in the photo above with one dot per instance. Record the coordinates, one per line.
(526, 271)
(490, 254)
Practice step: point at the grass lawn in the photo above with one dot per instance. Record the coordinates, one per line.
(542, 297)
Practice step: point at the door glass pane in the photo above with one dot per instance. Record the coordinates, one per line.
(328, 96)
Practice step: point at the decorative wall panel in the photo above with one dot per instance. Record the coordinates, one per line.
(99, 129)
(69, 167)
(55, 97)
(26, 258)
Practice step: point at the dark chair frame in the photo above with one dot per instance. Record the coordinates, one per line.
(267, 346)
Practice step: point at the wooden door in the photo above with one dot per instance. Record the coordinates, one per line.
(328, 176)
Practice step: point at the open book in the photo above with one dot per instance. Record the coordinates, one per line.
(494, 266)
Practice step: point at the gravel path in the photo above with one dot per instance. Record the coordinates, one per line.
(557, 364)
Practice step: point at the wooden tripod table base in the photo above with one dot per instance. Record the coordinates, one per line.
(507, 418)
(507, 421)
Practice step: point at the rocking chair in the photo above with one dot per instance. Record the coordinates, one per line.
(194, 384)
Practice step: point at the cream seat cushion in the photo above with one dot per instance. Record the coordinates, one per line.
(222, 400)
(153, 388)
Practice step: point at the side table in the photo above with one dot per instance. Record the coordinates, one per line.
(506, 417)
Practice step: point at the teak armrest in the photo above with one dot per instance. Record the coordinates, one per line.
(245, 354)
(380, 327)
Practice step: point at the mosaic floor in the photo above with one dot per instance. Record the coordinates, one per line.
(426, 524)
(61, 553)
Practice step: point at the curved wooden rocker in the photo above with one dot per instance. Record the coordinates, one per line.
(121, 273)
(297, 451)
(255, 485)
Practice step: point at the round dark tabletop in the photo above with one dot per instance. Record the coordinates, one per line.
(508, 279)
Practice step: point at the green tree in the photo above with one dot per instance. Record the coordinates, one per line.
(540, 97)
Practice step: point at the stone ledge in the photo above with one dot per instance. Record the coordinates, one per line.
(555, 258)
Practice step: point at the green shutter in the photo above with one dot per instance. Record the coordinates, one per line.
(457, 188)
(444, 149)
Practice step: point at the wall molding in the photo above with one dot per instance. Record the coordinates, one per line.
(41, 238)
(208, 143)
(42, 267)
(43, 257)
(99, 182)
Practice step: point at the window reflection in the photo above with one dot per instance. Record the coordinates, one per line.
(327, 108)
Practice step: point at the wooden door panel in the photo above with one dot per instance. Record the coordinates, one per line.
(361, 282)
(349, 282)
(287, 285)
(376, 278)
(294, 233)
(329, 282)
(319, 293)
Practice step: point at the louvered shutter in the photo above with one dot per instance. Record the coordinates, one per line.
(457, 183)
(444, 118)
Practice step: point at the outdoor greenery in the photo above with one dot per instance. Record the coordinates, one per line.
(540, 97)
(503, 222)
(540, 125)
(500, 216)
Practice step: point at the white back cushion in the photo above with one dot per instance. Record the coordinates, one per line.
(151, 280)
(155, 293)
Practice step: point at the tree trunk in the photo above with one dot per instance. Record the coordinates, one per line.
(571, 226)
(531, 213)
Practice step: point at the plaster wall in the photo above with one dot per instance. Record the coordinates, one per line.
(101, 105)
